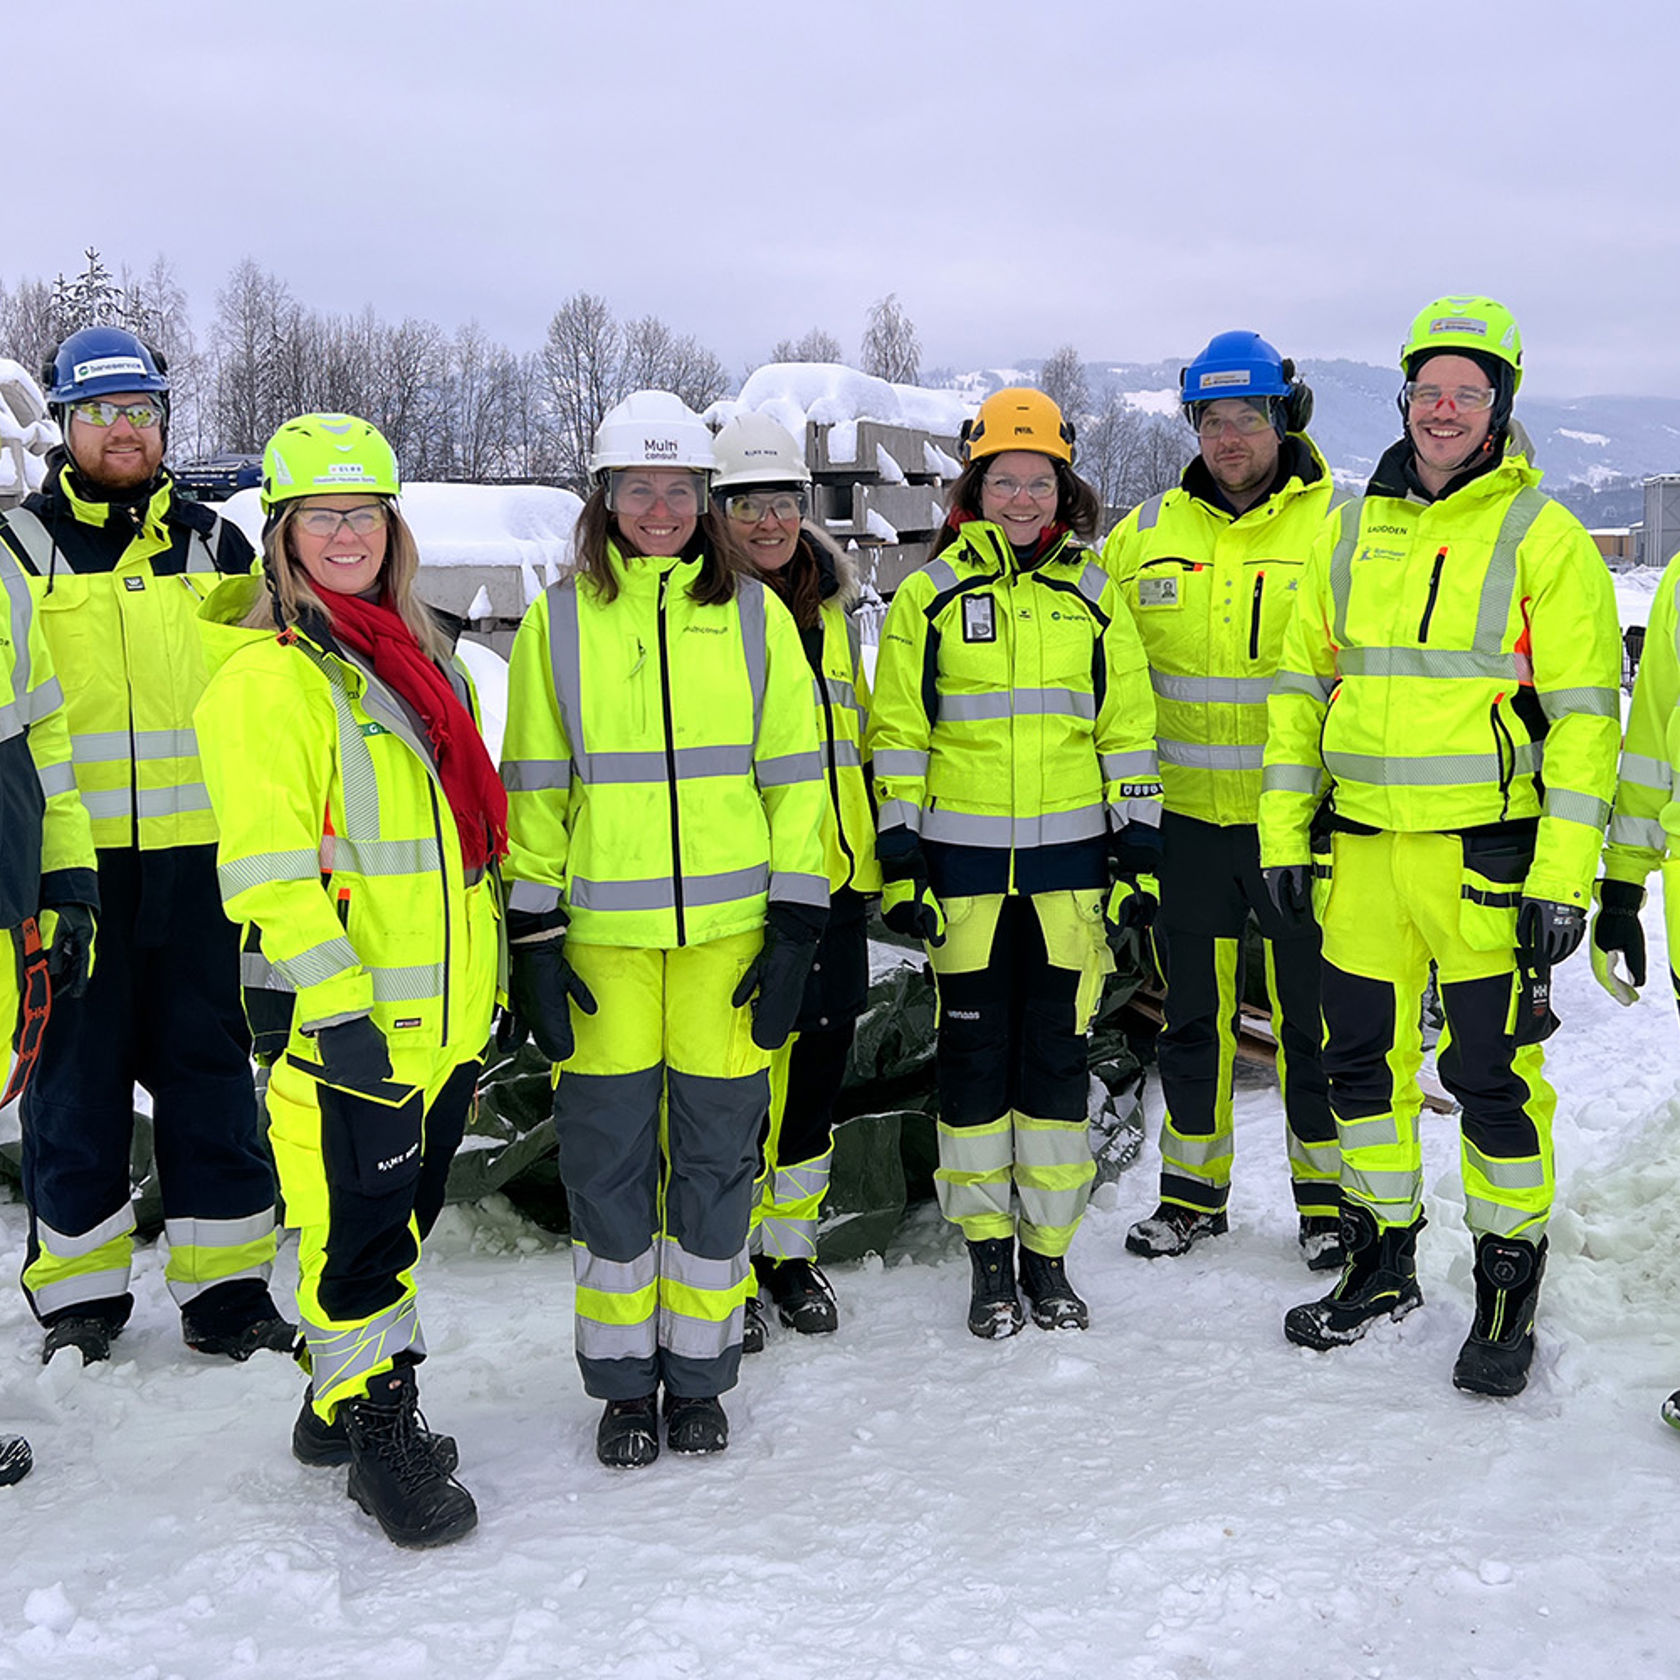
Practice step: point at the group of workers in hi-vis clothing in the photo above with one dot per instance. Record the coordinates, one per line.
(1263, 698)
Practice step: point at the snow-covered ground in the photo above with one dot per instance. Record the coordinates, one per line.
(1176, 1493)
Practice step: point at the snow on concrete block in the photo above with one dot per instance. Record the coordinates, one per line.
(876, 526)
(888, 468)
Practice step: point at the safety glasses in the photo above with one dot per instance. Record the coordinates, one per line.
(328, 522)
(142, 416)
(638, 493)
(785, 505)
(1467, 399)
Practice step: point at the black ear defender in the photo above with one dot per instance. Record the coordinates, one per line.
(1298, 402)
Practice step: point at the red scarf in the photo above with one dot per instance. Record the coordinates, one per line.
(470, 783)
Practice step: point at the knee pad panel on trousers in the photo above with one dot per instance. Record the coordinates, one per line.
(972, 1049)
(1359, 1025)
(608, 1131)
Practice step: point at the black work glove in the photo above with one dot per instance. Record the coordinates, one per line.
(1289, 886)
(540, 980)
(354, 1055)
(1134, 849)
(899, 852)
(908, 906)
(1549, 930)
(775, 980)
(70, 957)
(1129, 910)
(1617, 930)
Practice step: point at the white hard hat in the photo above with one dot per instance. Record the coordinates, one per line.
(652, 429)
(754, 449)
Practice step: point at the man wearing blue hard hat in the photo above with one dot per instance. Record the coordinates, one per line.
(1210, 571)
(118, 566)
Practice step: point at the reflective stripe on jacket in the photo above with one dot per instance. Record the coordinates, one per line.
(125, 644)
(337, 840)
(1012, 707)
(1647, 816)
(661, 760)
(1211, 596)
(1440, 651)
(47, 857)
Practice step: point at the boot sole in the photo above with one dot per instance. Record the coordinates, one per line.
(794, 1322)
(1495, 1385)
(999, 1327)
(1059, 1317)
(1301, 1328)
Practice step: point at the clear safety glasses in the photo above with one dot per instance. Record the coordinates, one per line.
(638, 491)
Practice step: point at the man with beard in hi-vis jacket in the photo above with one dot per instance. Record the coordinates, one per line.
(1454, 624)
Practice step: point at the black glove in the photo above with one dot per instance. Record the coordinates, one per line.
(70, 957)
(778, 973)
(899, 852)
(1549, 930)
(1134, 849)
(909, 908)
(354, 1055)
(1130, 909)
(540, 980)
(1617, 927)
(1289, 886)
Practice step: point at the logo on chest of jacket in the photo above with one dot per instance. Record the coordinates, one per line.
(979, 618)
(371, 728)
(134, 584)
(1158, 592)
(1374, 551)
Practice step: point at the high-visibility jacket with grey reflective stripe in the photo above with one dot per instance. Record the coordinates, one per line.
(1440, 654)
(661, 760)
(1211, 596)
(46, 855)
(125, 644)
(1011, 708)
(337, 840)
(1646, 818)
(842, 691)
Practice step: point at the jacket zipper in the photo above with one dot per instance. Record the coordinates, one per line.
(1254, 617)
(1434, 590)
(834, 774)
(443, 890)
(671, 764)
(1502, 741)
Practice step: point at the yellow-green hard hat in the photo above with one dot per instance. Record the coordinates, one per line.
(1454, 324)
(325, 455)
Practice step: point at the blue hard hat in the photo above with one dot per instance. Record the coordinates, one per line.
(102, 362)
(1235, 364)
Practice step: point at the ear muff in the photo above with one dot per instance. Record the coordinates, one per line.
(1068, 435)
(967, 434)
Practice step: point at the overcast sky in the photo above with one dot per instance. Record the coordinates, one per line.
(1129, 179)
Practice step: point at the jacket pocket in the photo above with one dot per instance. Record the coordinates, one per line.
(1490, 887)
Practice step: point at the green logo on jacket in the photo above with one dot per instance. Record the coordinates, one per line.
(372, 728)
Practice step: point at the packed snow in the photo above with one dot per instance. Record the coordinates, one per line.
(1165, 402)
(833, 395)
(1176, 1494)
(26, 432)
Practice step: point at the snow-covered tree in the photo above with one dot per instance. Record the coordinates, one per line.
(891, 349)
(1062, 380)
(817, 345)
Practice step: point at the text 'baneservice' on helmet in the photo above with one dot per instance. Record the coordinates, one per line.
(1459, 325)
(1018, 418)
(102, 362)
(754, 449)
(325, 455)
(652, 429)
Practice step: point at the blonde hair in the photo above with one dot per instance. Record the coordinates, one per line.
(291, 596)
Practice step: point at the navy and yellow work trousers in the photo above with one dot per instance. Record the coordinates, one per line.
(1210, 882)
(658, 1114)
(1393, 902)
(363, 1176)
(162, 1011)
(1018, 980)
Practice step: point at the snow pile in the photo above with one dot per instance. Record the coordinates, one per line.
(1635, 591)
(490, 525)
(26, 433)
(1154, 402)
(831, 394)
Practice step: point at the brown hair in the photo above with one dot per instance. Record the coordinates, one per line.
(592, 557)
(291, 595)
(1077, 505)
(798, 583)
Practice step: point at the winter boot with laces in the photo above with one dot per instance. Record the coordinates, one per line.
(1320, 1237)
(1496, 1354)
(318, 1443)
(90, 1336)
(627, 1437)
(804, 1297)
(1045, 1284)
(755, 1328)
(695, 1423)
(1379, 1279)
(994, 1307)
(394, 1475)
(1174, 1229)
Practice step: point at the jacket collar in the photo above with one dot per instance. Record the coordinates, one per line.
(1497, 473)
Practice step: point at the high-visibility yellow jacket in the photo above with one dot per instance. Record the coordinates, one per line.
(46, 846)
(1646, 820)
(661, 760)
(337, 840)
(1012, 709)
(118, 590)
(1435, 647)
(1211, 595)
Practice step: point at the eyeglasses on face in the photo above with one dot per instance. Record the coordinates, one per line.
(328, 522)
(142, 416)
(1248, 422)
(636, 494)
(1007, 489)
(1467, 399)
(785, 505)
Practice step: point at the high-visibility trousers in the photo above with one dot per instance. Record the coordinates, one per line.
(1210, 882)
(363, 1179)
(796, 1157)
(658, 1113)
(162, 1010)
(1018, 981)
(1394, 902)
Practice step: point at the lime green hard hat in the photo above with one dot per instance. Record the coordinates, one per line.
(325, 455)
(1453, 325)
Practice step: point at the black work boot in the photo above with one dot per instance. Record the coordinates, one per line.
(994, 1307)
(627, 1437)
(316, 1442)
(90, 1335)
(1054, 1304)
(1496, 1354)
(804, 1297)
(755, 1328)
(1174, 1229)
(695, 1423)
(1379, 1279)
(235, 1320)
(393, 1474)
(1320, 1237)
